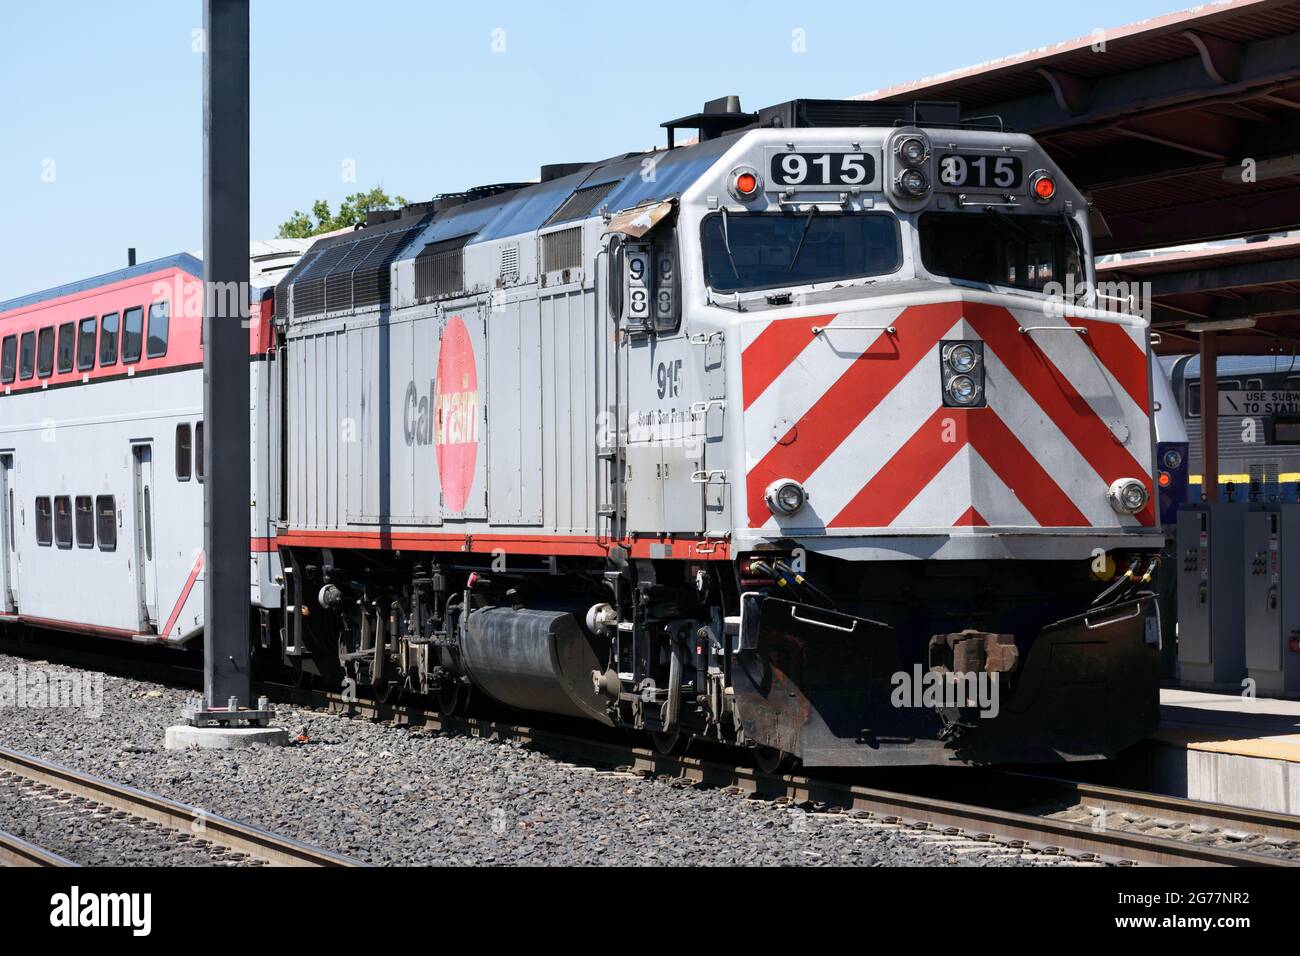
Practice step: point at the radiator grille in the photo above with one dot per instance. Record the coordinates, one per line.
(371, 280)
(581, 203)
(440, 268)
(562, 249)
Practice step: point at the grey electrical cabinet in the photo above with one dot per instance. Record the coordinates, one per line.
(1272, 606)
(1211, 640)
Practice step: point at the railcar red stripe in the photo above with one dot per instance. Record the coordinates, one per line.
(1051, 389)
(907, 474)
(180, 601)
(1020, 471)
(970, 519)
(771, 353)
(850, 399)
(882, 499)
(1122, 357)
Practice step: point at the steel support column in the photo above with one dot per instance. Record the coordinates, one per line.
(1210, 416)
(226, 487)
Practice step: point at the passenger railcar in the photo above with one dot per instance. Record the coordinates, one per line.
(101, 465)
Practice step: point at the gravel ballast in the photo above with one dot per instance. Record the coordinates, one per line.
(389, 795)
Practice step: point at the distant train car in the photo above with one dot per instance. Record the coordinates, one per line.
(1259, 453)
(101, 464)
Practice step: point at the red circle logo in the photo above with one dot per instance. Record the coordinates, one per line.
(456, 418)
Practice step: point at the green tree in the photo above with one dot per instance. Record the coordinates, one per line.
(352, 212)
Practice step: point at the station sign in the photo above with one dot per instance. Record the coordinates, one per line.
(1240, 402)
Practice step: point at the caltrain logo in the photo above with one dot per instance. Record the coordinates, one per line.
(455, 419)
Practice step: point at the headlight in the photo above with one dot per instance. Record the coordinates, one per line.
(913, 150)
(1172, 459)
(1128, 496)
(785, 496)
(963, 390)
(913, 183)
(961, 358)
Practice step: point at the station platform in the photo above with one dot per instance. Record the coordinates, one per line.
(1226, 748)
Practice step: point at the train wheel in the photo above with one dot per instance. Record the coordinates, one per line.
(771, 760)
(670, 745)
(454, 698)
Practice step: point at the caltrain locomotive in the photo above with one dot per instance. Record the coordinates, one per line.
(784, 438)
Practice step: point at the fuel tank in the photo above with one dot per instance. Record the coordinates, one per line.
(535, 660)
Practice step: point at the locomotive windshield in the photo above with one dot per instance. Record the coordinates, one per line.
(1024, 252)
(744, 251)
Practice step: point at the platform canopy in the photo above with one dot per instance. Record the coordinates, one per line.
(1181, 128)
(1248, 292)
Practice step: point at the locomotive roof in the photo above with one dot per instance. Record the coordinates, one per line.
(617, 182)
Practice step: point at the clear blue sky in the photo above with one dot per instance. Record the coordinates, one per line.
(413, 92)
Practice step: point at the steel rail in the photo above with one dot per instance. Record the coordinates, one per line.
(15, 851)
(1269, 823)
(240, 837)
(908, 809)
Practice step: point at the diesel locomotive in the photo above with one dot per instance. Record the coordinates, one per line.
(807, 436)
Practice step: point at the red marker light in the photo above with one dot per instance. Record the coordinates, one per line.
(1164, 479)
(746, 183)
(1044, 187)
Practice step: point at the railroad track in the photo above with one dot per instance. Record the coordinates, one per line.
(1034, 831)
(1104, 834)
(18, 852)
(238, 837)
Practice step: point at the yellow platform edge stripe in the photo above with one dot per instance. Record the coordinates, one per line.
(1284, 747)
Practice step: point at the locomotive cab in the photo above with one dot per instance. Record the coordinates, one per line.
(896, 393)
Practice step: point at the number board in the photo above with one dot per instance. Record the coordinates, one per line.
(822, 170)
(980, 171)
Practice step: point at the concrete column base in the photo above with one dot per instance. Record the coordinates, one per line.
(186, 737)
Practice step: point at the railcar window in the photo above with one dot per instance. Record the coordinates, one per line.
(132, 334)
(1024, 252)
(108, 340)
(63, 521)
(106, 522)
(85, 522)
(45, 352)
(9, 359)
(67, 345)
(44, 524)
(198, 450)
(769, 250)
(27, 356)
(86, 344)
(184, 451)
(159, 319)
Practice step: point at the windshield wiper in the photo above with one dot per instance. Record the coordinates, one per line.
(812, 211)
(1077, 239)
(726, 243)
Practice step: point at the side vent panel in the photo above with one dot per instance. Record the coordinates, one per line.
(562, 249)
(440, 268)
(509, 273)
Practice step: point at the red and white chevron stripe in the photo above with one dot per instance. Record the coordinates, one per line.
(857, 416)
